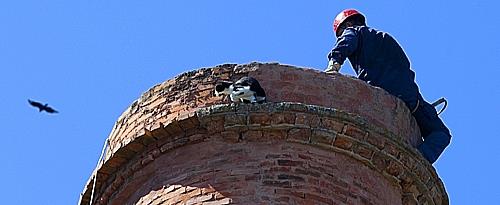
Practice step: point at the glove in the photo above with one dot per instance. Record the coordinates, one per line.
(333, 67)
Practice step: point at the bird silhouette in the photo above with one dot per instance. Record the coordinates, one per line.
(41, 107)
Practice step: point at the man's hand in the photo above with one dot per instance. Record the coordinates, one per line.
(333, 67)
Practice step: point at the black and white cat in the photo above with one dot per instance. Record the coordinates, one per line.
(245, 90)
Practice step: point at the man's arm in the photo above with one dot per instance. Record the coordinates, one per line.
(346, 44)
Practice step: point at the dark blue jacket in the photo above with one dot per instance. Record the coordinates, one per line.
(377, 59)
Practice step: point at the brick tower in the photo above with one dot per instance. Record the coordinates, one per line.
(321, 139)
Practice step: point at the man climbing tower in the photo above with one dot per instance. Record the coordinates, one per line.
(380, 61)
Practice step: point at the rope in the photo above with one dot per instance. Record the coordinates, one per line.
(99, 162)
(93, 188)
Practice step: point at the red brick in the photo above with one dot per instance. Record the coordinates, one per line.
(391, 149)
(173, 128)
(253, 177)
(158, 131)
(207, 190)
(136, 165)
(283, 118)
(407, 160)
(277, 183)
(363, 150)
(197, 137)
(316, 198)
(279, 169)
(288, 96)
(125, 153)
(299, 134)
(189, 122)
(199, 199)
(167, 146)
(290, 177)
(409, 199)
(394, 169)
(213, 124)
(380, 160)
(288, 76)
(252, 135)
(231, 136)
(235, 119)
(146, 139)
(307, 120)
(218, 202)
(332, 124)
(260, 119)
(147, 159)
(135, 146)
(285, 162)
(343, 142)
(304, 156)
(116, 161)
(322, 137)
(308, 172)
(270, 135)
(376, 140)
(355, 132)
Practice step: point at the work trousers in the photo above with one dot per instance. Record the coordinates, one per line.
(434, 132)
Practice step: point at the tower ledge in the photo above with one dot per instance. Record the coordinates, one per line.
(320, 139)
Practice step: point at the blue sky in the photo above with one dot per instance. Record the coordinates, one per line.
(92, 59)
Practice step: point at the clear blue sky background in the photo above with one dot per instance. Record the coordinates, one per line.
(92, 59)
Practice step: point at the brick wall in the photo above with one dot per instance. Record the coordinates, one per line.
(321, 140)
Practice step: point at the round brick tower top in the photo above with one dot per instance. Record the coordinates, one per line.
(179, 143)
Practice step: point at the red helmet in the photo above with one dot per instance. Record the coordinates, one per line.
(342, 16)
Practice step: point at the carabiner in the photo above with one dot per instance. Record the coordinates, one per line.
(438, 102)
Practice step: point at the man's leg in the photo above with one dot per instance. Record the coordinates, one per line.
(433, 145)
(436, 135)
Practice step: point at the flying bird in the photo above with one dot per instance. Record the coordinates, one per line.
(245, 90)
(42, 107)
